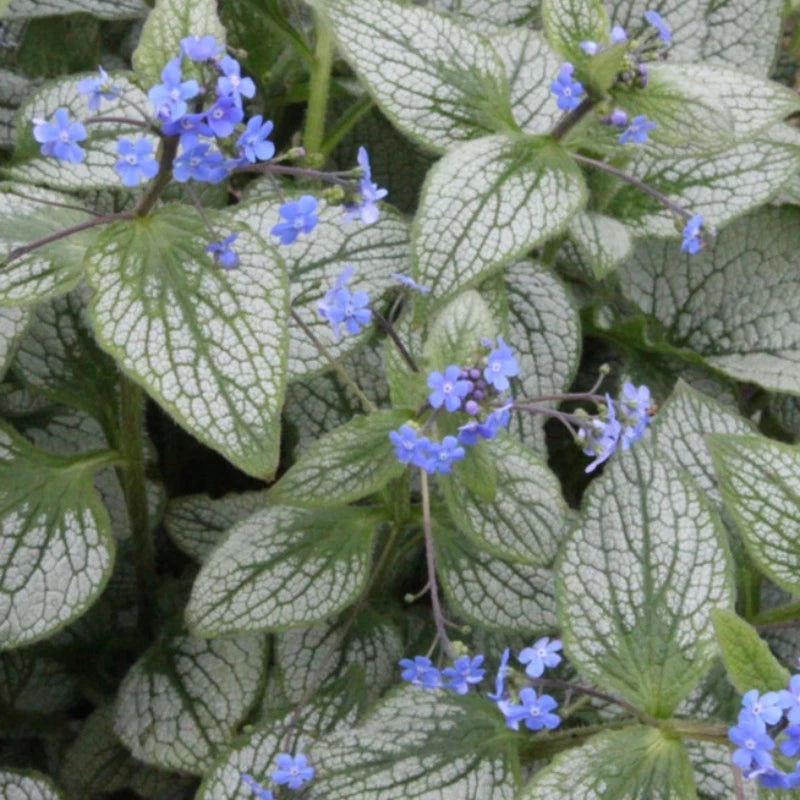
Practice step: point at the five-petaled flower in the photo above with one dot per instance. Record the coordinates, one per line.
(752, 741)
(253, 143)
(534, 710)
(97, 88)
(500, 366)
(637, 131)
(421, 672)
(169, 98)
(59, 138)
(542, 655)
(369, 194)
(566, 90)
(340, 306)
(448, 388)
(231, 83)
(300, 217)
(692, 241)
(223, 253)
(293, 771)
(200, 163)
(136, 161)
(464, 673)
(634, 406)
(201, 48)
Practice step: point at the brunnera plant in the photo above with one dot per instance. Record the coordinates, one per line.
(496, 305)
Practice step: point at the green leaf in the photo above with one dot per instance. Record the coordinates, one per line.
(437, 81)
(208, 344)
(57, 539)
(314, 263)
(748, 660)
(494, 593)
(637, 579)
(760, 485)
(706, 108)
(184, 698)
(96, 171)
(282, 568)
(634, 764)
(734, 303)
(567, 23)
(478, 14)
(679, 432)
(165, 26)
(527, 518)
(13, 324)
(13, 90)
(103, 9)
(719, 186)
(601, 243)
(406, 748)
(47, 271)
(351, 462)
(35, 682)
(544, 333)
(530, 65)
(487, 202)
(455, 334)
(197, 523)
(27, 785)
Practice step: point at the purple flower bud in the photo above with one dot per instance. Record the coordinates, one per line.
(485, 342)
(475, 373)
(618, 118)
(465, 373)
(480, 384)
(618, 35)
(642, 75)
(590, 48)
(471, 407)
(478, 394)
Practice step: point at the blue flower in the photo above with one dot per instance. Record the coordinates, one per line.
(767, 706)
(231, 83)
(369, 192)
(542, 655)
(443, 455)
(495, 421)
(420, 672)
(791, 745)
(618, 35)
(692, 241)
(589, 47)
(448, 388)
(300, 216)
(223, 254)
(200, 48)
(566, 90)
(636, 132)
(258, 790)
(137, 162)
(634, 405)
(464, 673)
(253, 143)
(500, 366)
(292, 770)
(410, 447)
(169, 98)
(753, 743)
(654, 18)
(500, 679)
(59, 138)
(790, 700)
(600, 438)
(98, 88)
(341, 307)
(223, 116)
(189, 125)
(410, 282)
(201, 164)
(770, 778)
(534, 711)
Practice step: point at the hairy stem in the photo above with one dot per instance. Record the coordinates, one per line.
(131, 445)
(297, 172)
(572, 118)
(319, 89)
(401, 348)
(134, 123)
(366, 403)
(169, 149)
(788, 613)
(430, 558)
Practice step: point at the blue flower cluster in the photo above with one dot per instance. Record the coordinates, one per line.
(532, 710)
(291, 771)
(760, 712)
(473, 390)
(623, 423)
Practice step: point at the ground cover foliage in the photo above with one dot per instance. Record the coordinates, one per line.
(399, 400)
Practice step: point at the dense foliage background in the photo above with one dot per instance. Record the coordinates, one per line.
(210, 553)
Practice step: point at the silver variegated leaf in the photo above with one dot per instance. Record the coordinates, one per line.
(315, 262)
(13, 324)
(436, 80)
(96, 171)
(478, 14)
(27, 785)
(209, 345)
(487, 202)
(182, 701)
(13, 89)
(760, 482)
(600, 243)
(454, 335)
(197, 523)
(714, 772)
(104, 9)
(56, 537)
(33, 682)
(634, 764)
(569, 22)
(637, 580)
(282, 568)
(735, 303)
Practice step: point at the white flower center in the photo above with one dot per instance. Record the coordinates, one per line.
(750, 744)
(63, 136)
(235, 81)
(535, 711)
(131, 159)
(447, 387)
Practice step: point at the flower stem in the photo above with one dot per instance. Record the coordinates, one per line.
(319, 89)
(169, 149)
(660, 198)
(572, 118)
(131, 445)
(401, 348)
(134, 123)
(297, 172)
(430, 558)
(366, 403)
(346, 122)
(779, 616)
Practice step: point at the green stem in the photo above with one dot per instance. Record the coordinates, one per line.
(572, 118)
(346, 122)
(319, 90)
(169, 149)
(784, 615)
(704, 731)
(131, 445)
